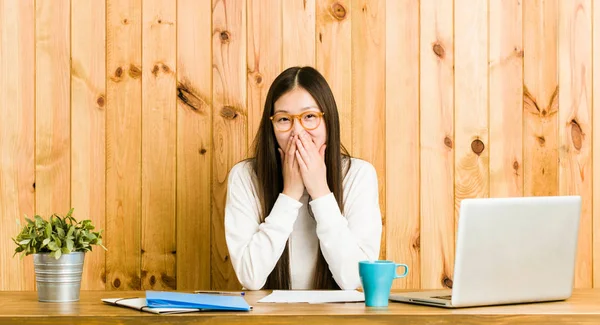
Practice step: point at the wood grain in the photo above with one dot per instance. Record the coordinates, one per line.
(17, 134)
(368, 92)
(159, 123)
(471, 102)
(596, 140)
(540, 97)
(334, 58)
(390, 65)
(52, 112)
(575, 122)
(402, 140)
(229, 124)
(298, 28)
(506, 98)
(436, 143)
(22, 308)
(263, 56)
(123, 143)
(194, 146)
(88, 110)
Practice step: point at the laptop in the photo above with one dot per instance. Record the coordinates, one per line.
(509, 251)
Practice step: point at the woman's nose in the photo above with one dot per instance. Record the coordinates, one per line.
(297, 127)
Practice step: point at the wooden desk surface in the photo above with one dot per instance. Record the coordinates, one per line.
(23, 308)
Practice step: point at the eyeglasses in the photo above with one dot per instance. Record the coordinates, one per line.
(310, 120)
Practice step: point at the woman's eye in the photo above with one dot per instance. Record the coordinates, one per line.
(309, 116)
(283, 119)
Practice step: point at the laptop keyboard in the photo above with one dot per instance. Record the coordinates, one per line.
(448, 297)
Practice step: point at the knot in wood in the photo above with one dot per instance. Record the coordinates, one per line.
(477, 146)
(576, 135)
(447, 282)
(225, 36)
(448, 142)
(228, 112)
(134, 71)
(100, 101)
(338, 11)
(438, 49)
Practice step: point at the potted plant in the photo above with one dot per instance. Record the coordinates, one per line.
(58, 246)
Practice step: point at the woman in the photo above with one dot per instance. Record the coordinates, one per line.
(302, 213)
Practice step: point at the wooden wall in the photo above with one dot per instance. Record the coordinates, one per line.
(133, 112)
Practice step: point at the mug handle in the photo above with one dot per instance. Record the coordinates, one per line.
(405, 271)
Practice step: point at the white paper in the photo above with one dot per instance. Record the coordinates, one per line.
(314, 296)
(140, 304)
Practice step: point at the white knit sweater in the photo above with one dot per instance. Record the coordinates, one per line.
(255, 247)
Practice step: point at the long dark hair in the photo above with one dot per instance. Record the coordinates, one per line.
(267, 162)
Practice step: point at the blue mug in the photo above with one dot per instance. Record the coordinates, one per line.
(377, 278)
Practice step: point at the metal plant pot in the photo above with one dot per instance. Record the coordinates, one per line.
(58, 280)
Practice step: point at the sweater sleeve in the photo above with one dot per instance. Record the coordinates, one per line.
(355, 236)
(255, 247)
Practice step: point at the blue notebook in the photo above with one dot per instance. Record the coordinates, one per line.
(168, 299)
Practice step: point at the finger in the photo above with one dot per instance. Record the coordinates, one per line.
(301, 162)
(303, 151)
(295, 164)
(290, 140)
(291, 151)
(306, 140)
(309, 145)
(291, 146)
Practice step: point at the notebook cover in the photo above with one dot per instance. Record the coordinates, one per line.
(168, 299)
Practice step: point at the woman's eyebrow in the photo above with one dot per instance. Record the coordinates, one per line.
(302, 109)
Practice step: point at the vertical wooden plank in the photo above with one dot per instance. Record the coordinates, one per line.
(506, 98)
(471, 101)
(334, 57)
(402, 138)
(17, 170)
(540, 98)
(229, 123)
(596, 148)
(88, 101)
(298, 33)
(437, 142)
(368, 91)
(52, 113)
(194, 147)
(263, 56)
(575, 122)
(159, 123)
(123, 143)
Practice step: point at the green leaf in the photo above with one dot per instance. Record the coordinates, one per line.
(71, 230)
(45, 242)
(56, 235)
(57, 241)
(52, 246)
(48, 230)
(39, 222)
(61, 232)
(70, 245)
(56, 254)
